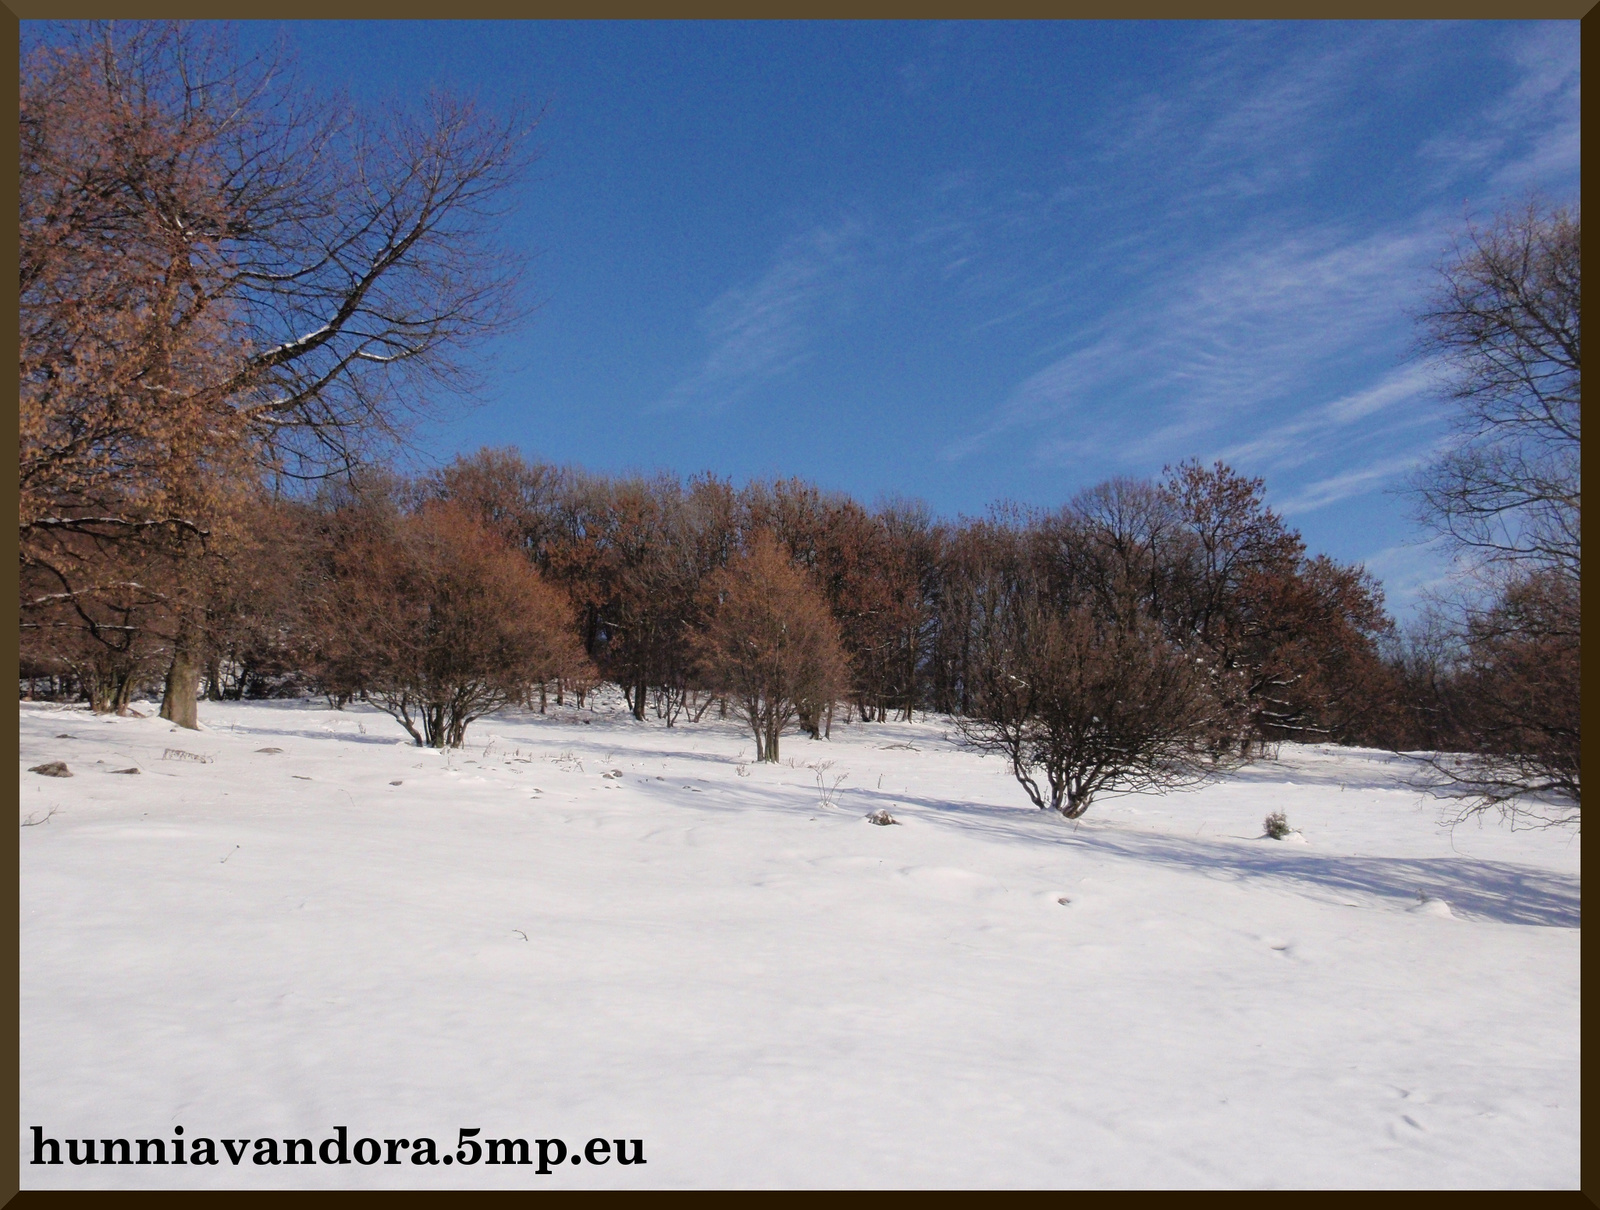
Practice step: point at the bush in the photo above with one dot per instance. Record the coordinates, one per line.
(1080, 705)
(1277, 825)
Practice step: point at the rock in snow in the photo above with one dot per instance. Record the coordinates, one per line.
(1427, 905)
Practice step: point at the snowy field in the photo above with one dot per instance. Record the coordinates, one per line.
(582, 926)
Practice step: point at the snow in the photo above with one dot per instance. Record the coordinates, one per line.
(582, 925)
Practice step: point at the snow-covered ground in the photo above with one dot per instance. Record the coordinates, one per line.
(582, 926)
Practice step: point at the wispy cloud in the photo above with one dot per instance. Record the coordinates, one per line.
(1217, 344)
(1211, 312)
(1256, 142)
(758, 332)
(1347, 484)
(1255, 109)
(1309, 434)
(1531, 130)
(1410, 572)
(1211, 343)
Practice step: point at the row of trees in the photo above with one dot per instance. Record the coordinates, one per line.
(1183, 612)
(1199, 555)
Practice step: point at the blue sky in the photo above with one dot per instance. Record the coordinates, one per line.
(972, 262)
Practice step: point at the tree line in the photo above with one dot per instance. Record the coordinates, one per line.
(1184, 607)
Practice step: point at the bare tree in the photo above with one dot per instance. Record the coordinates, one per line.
(256, 625)
(1507, 495)
(1506, 321)
(109, 640)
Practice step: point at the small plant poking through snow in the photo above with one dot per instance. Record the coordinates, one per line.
(882, 818)
(1277, 825)
(827, 787)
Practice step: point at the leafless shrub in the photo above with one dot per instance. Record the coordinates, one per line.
(1080, 705)
(1509, 702)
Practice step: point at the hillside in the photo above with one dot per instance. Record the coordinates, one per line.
(581, 925)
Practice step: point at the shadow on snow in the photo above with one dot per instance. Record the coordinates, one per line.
(1474, 889)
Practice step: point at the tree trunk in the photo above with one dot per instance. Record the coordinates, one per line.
(433, 725)
(125, 686)
(180, 702)
(100, 692)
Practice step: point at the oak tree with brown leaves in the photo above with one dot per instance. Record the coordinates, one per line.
(220, 278)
